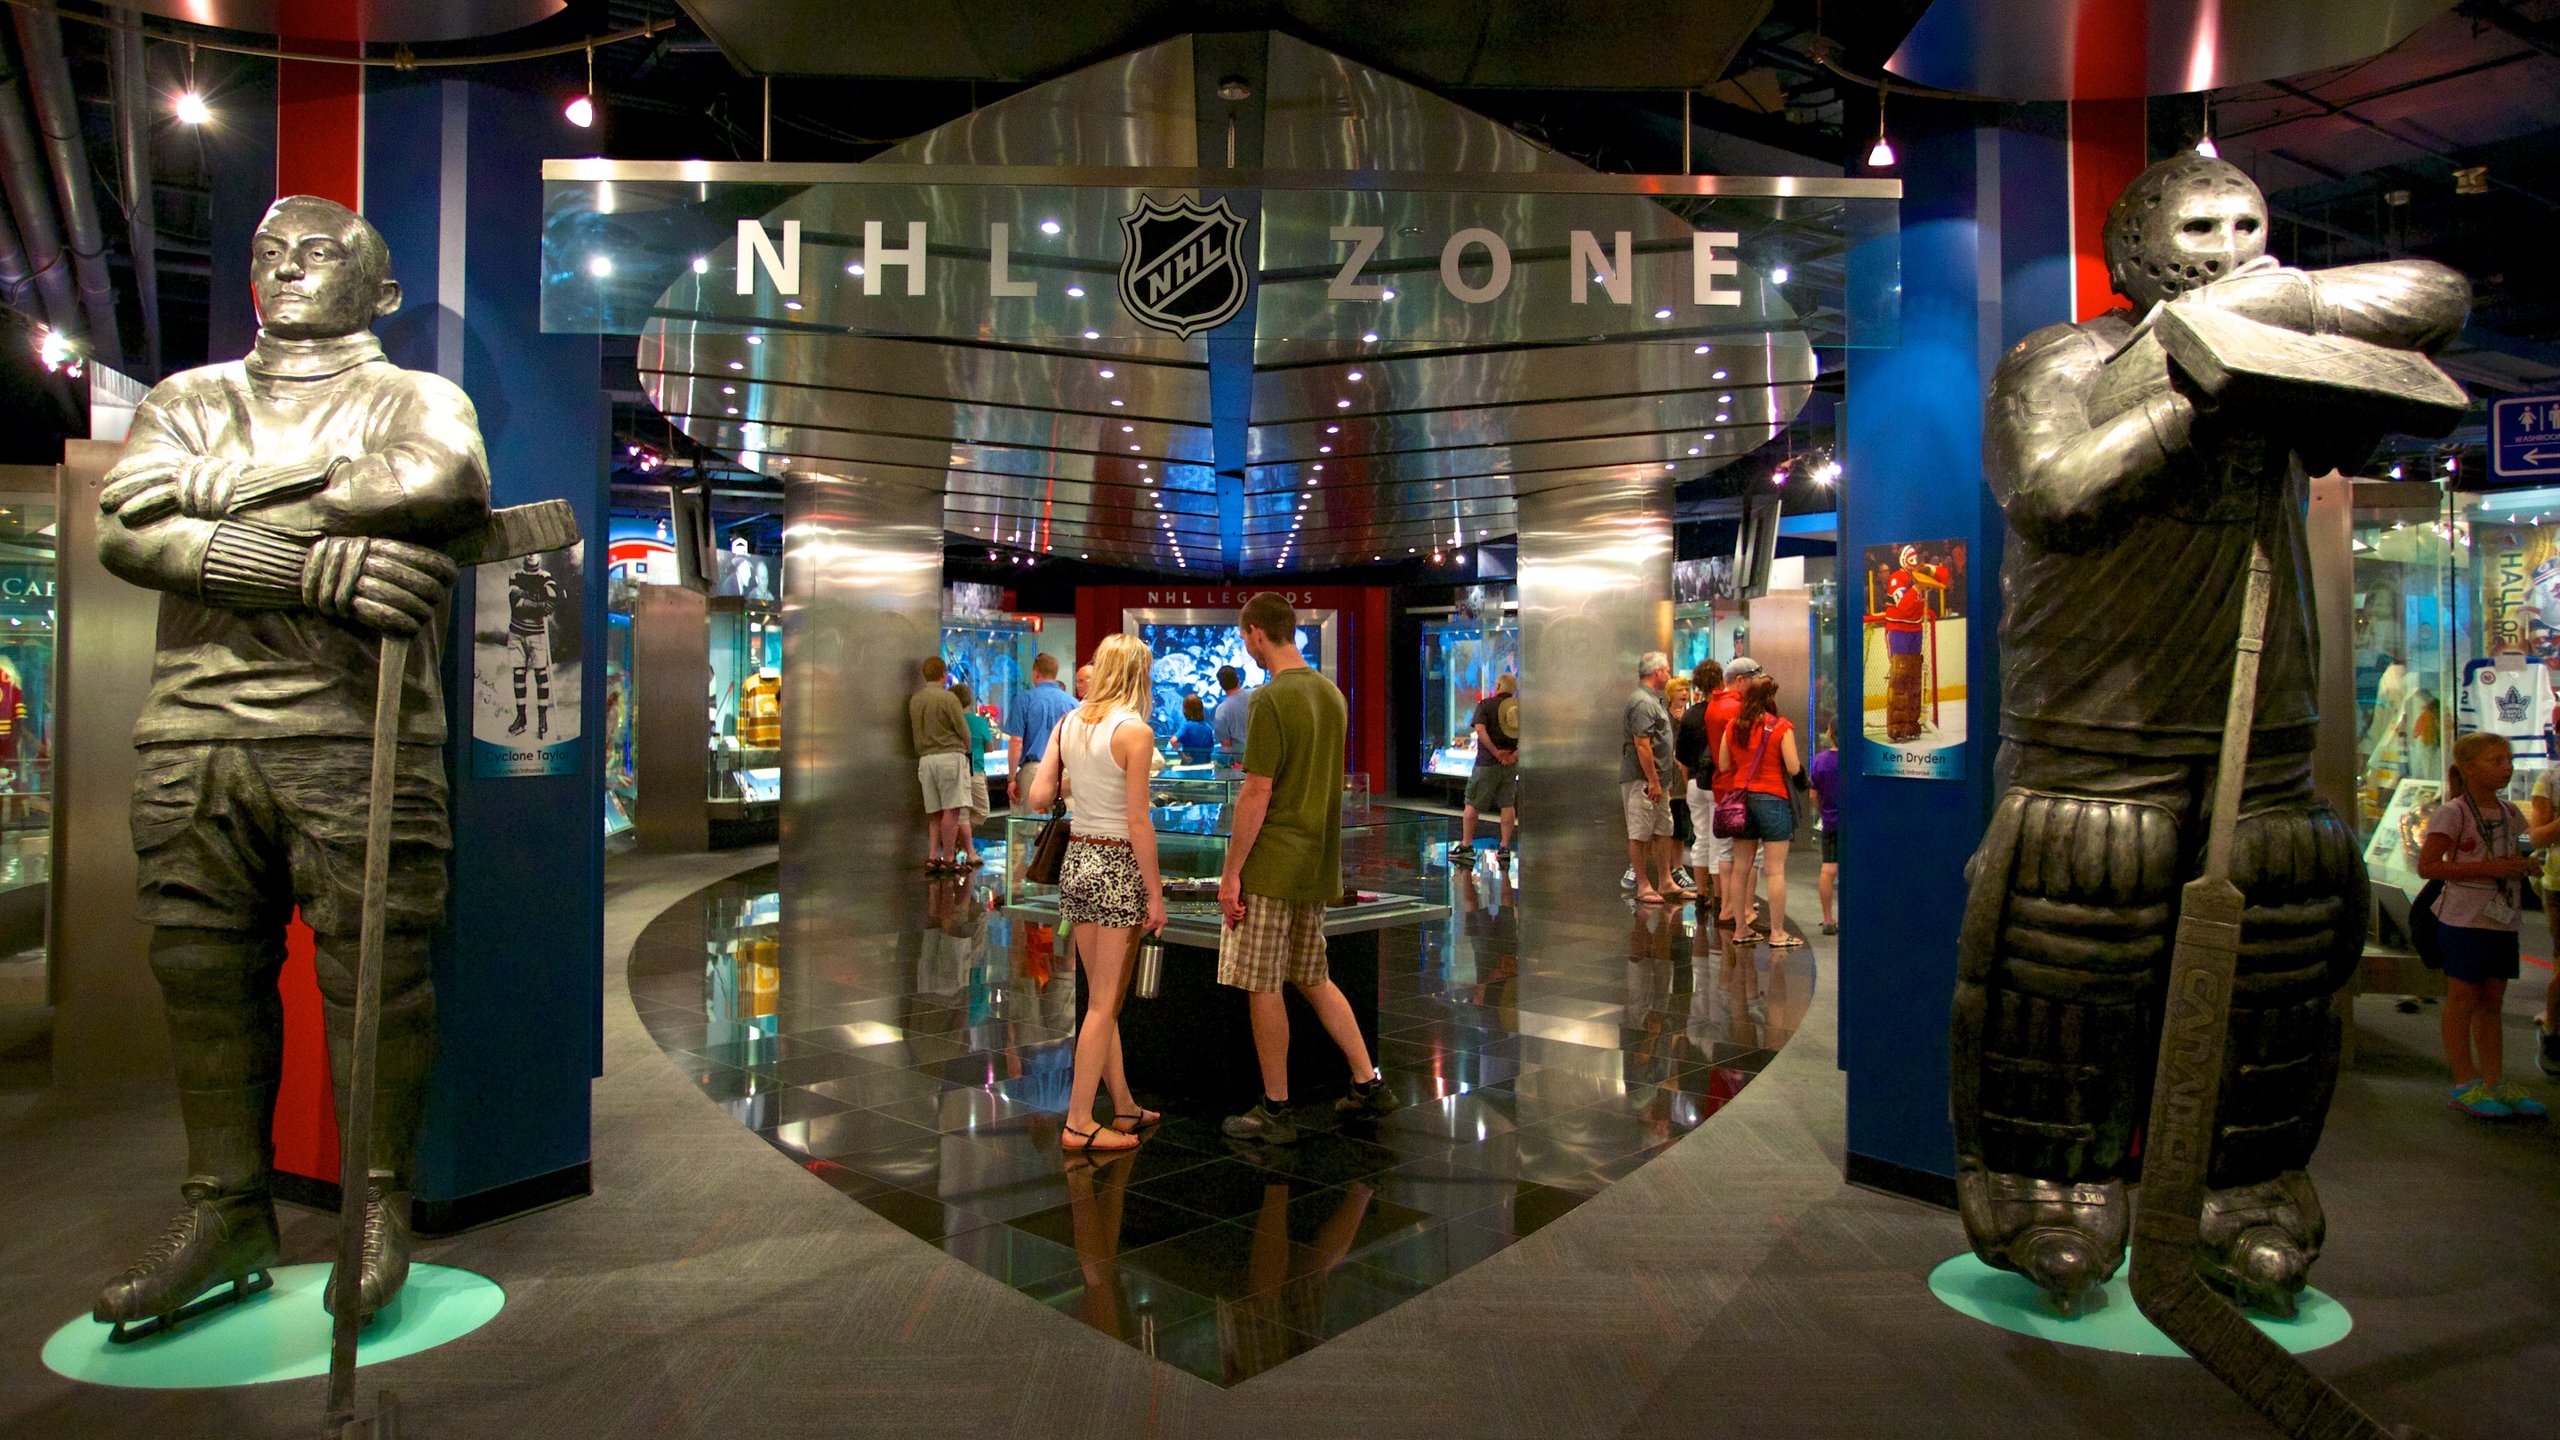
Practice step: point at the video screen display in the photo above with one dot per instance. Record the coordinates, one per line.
(1187, 661)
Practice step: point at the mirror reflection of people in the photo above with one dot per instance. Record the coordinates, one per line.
(289, 506)
(1494, 783)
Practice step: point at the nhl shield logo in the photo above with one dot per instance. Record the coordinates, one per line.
(1183, 270)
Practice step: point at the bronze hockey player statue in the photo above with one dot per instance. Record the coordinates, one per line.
(2143, 459)
(291, 507)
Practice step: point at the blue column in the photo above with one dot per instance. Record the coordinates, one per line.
(1984, 250)
(453, 181)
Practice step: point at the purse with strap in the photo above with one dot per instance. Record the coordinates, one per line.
(1733, 816)
(1049, 847)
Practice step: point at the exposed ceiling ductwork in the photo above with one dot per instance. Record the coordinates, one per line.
(57, 116)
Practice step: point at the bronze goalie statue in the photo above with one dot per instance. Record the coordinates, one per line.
(2159, 648)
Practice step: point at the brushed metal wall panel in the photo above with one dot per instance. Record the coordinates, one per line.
(671, 721)
(861, 609)
(107, 1015)
(1595, 594)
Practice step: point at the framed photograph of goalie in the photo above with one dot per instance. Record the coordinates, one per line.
(527, 649)
(1912, 715)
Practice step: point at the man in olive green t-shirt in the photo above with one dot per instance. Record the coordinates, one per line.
(1284, 865)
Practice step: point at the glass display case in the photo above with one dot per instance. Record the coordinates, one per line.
(1461, 660)
(746, 702)
(621, 779)
(1707, 630)
(2403, 640)
(26, 705)
(1219, 785)
(992, 656)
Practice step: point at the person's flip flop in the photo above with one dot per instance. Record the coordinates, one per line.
(1647, 897)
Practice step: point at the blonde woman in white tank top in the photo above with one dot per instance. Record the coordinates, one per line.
(1109, 889)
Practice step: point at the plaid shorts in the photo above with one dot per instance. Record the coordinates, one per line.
(1280, 940)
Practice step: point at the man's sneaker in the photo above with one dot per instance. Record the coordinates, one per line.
(1461, 853)
(1261, 1123)
(1628, 880)
(2518, 1100)
(1373, 1098)
(1681, 877)
(2550, 1047)
(2472, 1099)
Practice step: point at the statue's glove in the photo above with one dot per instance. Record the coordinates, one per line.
(202, 486)
(390, 585)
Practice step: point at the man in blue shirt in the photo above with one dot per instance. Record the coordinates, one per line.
(1228, 723)
(1036, 712)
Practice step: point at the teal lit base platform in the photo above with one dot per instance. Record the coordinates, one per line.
(2013, 1303)
(280, 1335)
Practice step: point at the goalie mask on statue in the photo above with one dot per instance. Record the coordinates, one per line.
(2184, 222)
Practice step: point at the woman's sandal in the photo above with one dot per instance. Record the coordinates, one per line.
(1135, 1123)
(1072, 1139)
(1785, 942)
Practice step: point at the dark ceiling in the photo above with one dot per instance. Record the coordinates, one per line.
(2446, 146)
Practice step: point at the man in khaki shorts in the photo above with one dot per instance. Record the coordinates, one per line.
(1642, 762)
(940, 729)
(1284, 863)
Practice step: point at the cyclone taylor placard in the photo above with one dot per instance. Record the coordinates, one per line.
(528, 645)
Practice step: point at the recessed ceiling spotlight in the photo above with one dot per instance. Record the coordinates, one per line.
(1369, 337)
(755, 339)
(1105, 372)
(1693, 449)
(1724, 399)
(1354, 377)
(701, 264)
(1093, 334)
(1333, 429)
(1075, 292)
(1701, 350)
(1386, 294)
(1341, 404)
(1722, 416)
(1117, 401)
(1663, 313)
(1717, 376)
(1049, 227)
(728, 389)
(1324, 449)
(1128, 429)
(790, 304)
(737, 364)
(854, 269)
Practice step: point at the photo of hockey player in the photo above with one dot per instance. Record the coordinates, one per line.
(1913, 715)
(526, 665)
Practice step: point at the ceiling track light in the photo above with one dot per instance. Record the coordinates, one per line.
(189, 104)
(581, 110)
(2204, 142)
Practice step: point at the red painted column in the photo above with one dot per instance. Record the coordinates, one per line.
(2107, 151)
(319, 151)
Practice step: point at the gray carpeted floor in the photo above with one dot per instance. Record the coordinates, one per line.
(1731, 1287)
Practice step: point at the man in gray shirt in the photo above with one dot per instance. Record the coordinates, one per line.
(1642, 762)
(940, 729)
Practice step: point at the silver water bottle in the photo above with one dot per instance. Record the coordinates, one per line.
(1150, 977)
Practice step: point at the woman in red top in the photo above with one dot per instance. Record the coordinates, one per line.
(1759, 751)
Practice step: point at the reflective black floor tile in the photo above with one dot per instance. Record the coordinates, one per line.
(1352, 1295)
(1469, 1117)
(1408, 1145)
(1224, 1189)
(1328, 1159)
(922, 1216)
(816, 1067)
(1398, 1056)
(1348, 1220)
(758, 1053)
(852, 1183)
(1447, 1038)
(1229, 1259)
(1528, 1209)
(874, 1087)
(974, 1069)
(1134, 1307)
(1442, 1187)
(1234, 1346)
(1100, 1223)
(725, 1083)
(955, 1109)
(774, 1108)
(1434, 1253)
(845, 1133)
(1016, 1257)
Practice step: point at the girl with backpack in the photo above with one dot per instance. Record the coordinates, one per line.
(2475, 846)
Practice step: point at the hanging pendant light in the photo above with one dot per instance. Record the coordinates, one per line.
(581, 110)
(1881, 156)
